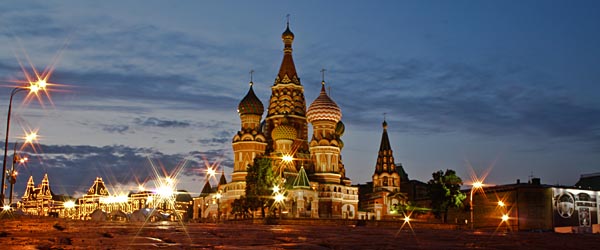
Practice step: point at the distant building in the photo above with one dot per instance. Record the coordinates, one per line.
(390, 190)
(38, 200)
(589, 181)
(41, 201)
(531, 206)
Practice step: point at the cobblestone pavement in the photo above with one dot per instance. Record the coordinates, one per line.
(48, 233)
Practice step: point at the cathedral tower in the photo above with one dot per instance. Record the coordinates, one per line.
(324, 115)
(386, 175)
(249, 142)
(287, 101)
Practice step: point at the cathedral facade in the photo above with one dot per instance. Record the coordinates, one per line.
(317, 186)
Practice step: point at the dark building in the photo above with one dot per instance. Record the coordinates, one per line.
(589, 181)
(531, 206)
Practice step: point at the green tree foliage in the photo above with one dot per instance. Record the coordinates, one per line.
(259, 184)
(240, 208)
(444, 190)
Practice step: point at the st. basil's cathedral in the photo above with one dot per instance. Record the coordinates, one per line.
(317, 186)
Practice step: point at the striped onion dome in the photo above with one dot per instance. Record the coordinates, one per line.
(251, 104)
(323, 108)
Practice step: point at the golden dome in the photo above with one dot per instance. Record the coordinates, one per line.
(284, 131)
(287, 34)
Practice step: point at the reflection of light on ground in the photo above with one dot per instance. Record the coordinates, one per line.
(166, 190)
(406, 222)
(503, 225)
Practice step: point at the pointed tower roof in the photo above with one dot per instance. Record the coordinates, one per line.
(287, 71)
(323, 108)
(385, 140)
(30, 189)
(222, 180)
(98, 188)
(301, 180)
(45, 187)
(206, 190)
(251, 104)
(385, 157)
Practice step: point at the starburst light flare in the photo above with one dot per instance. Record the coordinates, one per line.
(406, 221)
(279, 197)
(30, 138)
(69, 204)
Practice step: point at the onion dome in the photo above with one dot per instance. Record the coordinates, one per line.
(287, 34)
(340, 128)
(251, 104)
(284, 131)
(323, 108)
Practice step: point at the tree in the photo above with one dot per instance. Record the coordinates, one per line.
(239, 208)
(259, 183)
(444, 190)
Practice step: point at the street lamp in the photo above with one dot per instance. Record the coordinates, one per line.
(287, 158)
(476, 185)
(505, 217)
(17, 159)
(33, 87)
(13, 173)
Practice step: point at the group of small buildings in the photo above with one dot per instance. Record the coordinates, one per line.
(99, 204)
(314, 178)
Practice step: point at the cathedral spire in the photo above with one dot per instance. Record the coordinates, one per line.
(385, 157)
(287, 71)
(385, 140)
(206, 190)
(222, 180)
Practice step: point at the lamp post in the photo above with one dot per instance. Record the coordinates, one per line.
(29, 139)
(34, 87)
(13, 173)
(12, 94)
(476, 185)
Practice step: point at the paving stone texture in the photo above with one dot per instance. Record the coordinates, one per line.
(51, 233)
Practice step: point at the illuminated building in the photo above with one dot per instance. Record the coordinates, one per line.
(322, 189)
(385, 195)
(99, 204)
(38, 200)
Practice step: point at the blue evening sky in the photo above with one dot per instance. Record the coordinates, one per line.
(508, 84)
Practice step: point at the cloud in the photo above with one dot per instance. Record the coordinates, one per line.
(425, 97)
(73, 168)
(214, 141)
(121, 129)
(155, 122)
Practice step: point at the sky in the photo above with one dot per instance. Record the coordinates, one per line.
(507, 88)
